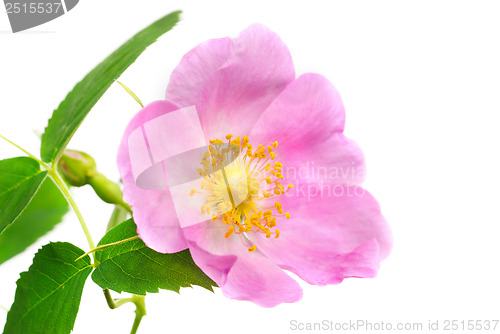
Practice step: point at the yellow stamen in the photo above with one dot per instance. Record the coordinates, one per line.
(230, 231)
(240, 195)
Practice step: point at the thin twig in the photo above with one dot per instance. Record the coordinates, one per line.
(28, 153)
(108, 245)
(64, 189)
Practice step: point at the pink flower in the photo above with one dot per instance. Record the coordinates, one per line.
(247, 87)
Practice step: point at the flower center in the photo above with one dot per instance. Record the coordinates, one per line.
(241, 186)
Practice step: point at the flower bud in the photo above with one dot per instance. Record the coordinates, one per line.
(76, 166)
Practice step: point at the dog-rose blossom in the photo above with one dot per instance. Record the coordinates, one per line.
(296, 201)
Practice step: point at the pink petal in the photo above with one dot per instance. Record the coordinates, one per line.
(337, 160)
(329, 237)
(232, 81)
(307, 112)
(258, 279)
(252, 277)
(307, 120)
(214, 266)
(154, 213)
(209, 236)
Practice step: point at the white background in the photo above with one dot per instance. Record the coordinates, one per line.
(420, 82)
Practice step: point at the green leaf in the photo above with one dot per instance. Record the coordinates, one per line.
(48, 294)
(133, 267)
(19, 181)
(71, 112)
(45, 210)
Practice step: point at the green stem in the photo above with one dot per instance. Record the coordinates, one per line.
(140, 312)
(126, 207)
(64, 189)
(4, 308)
(139, 302)
(137, 322)
(117, 217)
(109, 299)
(107, 190)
